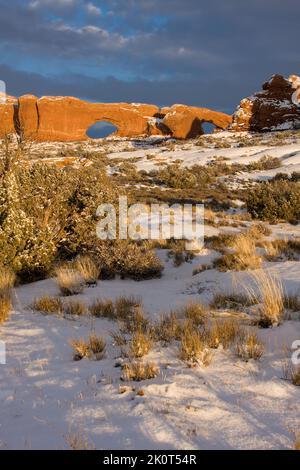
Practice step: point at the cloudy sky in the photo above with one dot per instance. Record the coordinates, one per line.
(205, 53)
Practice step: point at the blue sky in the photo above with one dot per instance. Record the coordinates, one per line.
(205, 53)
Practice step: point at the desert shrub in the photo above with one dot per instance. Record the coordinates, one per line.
(103, 308)
(48, 304)
(138, 371)
(69, 281)
(275, 200)
(74, 307)
(87, 268)
(46, 212)
(264, 163)
(128, 259)
(294, 176)
(26, 240)
(249, 347)
(177, 177)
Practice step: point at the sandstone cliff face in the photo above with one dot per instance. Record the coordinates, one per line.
(68, 119)
(7, 115)
(275, 108)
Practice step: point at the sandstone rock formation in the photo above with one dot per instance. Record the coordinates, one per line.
(185, 121)
(277, 107)
(68, 118)
(7, 115)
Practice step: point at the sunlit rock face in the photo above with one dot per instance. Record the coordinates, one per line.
(56, 118)
(295, 81)
(275, 108)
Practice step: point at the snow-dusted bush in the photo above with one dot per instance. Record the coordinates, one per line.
(48, 213)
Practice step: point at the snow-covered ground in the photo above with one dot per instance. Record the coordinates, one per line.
(46, 398)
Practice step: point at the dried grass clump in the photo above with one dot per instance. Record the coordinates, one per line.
(140, 344)
(223, 332)
(130, 314)
(243, 257)
(191, 345)
(259, 230)
(138, 371)
(74, 307)
(268, 294)
(292, 302)
(296, 435)
(295, 376)
(230, 301)
(220, 242)
(69, 281)
(249, 347)
(5, 308)
(168, 328)
(78, 441)
(48, 304)
(81, 349)
(93, 347)
(103, 308)
(124, 306)
(87, 268)
(97, 346)
(7, 280)
(195, 312)
(281, 248)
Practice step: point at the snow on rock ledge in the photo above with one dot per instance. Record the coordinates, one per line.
(277, 107)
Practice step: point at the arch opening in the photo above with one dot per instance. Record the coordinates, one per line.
(208, 127)
(101, 129)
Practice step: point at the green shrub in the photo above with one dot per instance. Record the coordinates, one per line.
(275, 200)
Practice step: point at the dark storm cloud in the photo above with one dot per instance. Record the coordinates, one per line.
(206, 53)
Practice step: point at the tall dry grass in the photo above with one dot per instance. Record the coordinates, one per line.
(7, 280)
(267, 292)
(69, 281)
(87, 268)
